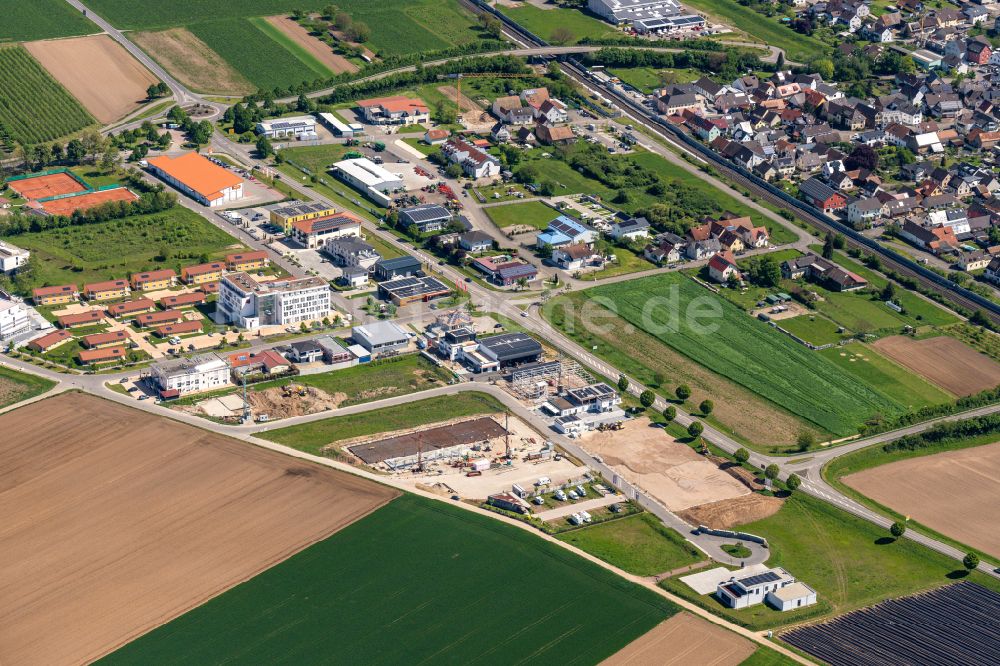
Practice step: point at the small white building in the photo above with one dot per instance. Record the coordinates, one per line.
(205, 372)
(11, 257)
(381, 336)
(14, 319)
(300, 127)
(790, 597)
(368, 178)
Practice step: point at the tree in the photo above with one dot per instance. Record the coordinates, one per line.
(863, 157)
(888, 292)
(779, 64)
(897, 529)
(828, 247)
(152, 92)
(670, 413)
(695, 429)
(75, 151)
(342, 20)
(771, 472)
(646, 398)
(970, 561)
(706, 407)
(741, 455)
(561, 35)
(683, 392)
(793, 482)
(110, 159)
(264, 147)
(453, 170)
(658, 378)
(622, 383)
(823, 67)
(359, 32)
(805, 441)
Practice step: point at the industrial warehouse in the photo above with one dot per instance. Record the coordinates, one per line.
(448, 441)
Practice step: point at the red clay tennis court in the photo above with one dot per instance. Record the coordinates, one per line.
(84, 201)
(49, 185)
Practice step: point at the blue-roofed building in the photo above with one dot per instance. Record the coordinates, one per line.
(565, 230)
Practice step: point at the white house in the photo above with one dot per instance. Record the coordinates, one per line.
(751, 590)
(12, 258)
(381, 336)
(191, 375)
(574, 257)
(474, 162)
(631, 229)
(14, 319)
(865, 211)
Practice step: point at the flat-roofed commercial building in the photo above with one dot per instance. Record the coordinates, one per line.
(197, 177)
(300, 127)
(395, 110)
(369, 178)
(381, 336)
(314, 232)
(191, 375)
(286, 213)
(14, 319)
(11, 257)
(249, 303)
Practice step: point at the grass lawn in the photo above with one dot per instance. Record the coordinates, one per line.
(316, 158)
(812, 328)
(876, 370)
(767, 657)
(768, 30)
(418, 144)
(417, 581)
(543, 22)
(531, 213)
(385, 250)
(627, 262)
(747, 351)
(374, 381)
(41, 19)
(848, 561)
(647, 79)
(312, 437)
(17, 386)
(638, 544)
(113, 249)
(292, 46)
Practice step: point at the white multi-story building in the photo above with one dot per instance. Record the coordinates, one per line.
(191, 375)
(248, 303)
(14, 319)
(12, 258)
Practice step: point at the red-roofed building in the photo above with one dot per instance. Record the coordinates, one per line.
(183, 300)
(202, 273)
(395, 110)
(102, 355)
(150, 280)
(248, 261)
(109, 339)
(722, 266)
(50, 340)
(180, 328)
(105, 291)
(58, 295)
(158, 318)
(127, 308)
(81, 318)
(315, 232)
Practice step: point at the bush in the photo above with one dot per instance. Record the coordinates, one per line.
(897, 529)
(741, 455)
(683, 392)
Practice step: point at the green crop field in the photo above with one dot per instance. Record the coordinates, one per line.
(316, 158)
(118, 247)
(798, 47)
(877, 371)
(254, 54)
(33, 106)
(296, 49)
(312, 437)
(850, 563)
(638, 544)
(27, 20)
(750, 353)
(543, 22)
(17, 386)
(374, 381)
(417, 581)
(399, 27)
(532, 213)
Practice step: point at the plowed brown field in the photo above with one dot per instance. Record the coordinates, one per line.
(684, 639)
(116, 521)
(97, 71)
(322, 52)
(945, 361)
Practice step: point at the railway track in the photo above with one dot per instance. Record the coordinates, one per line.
(950, 291)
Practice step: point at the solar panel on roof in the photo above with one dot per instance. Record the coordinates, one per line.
(766, 577)
(426, 213)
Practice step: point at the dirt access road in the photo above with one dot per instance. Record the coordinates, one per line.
(136, 519)
(108, 81)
